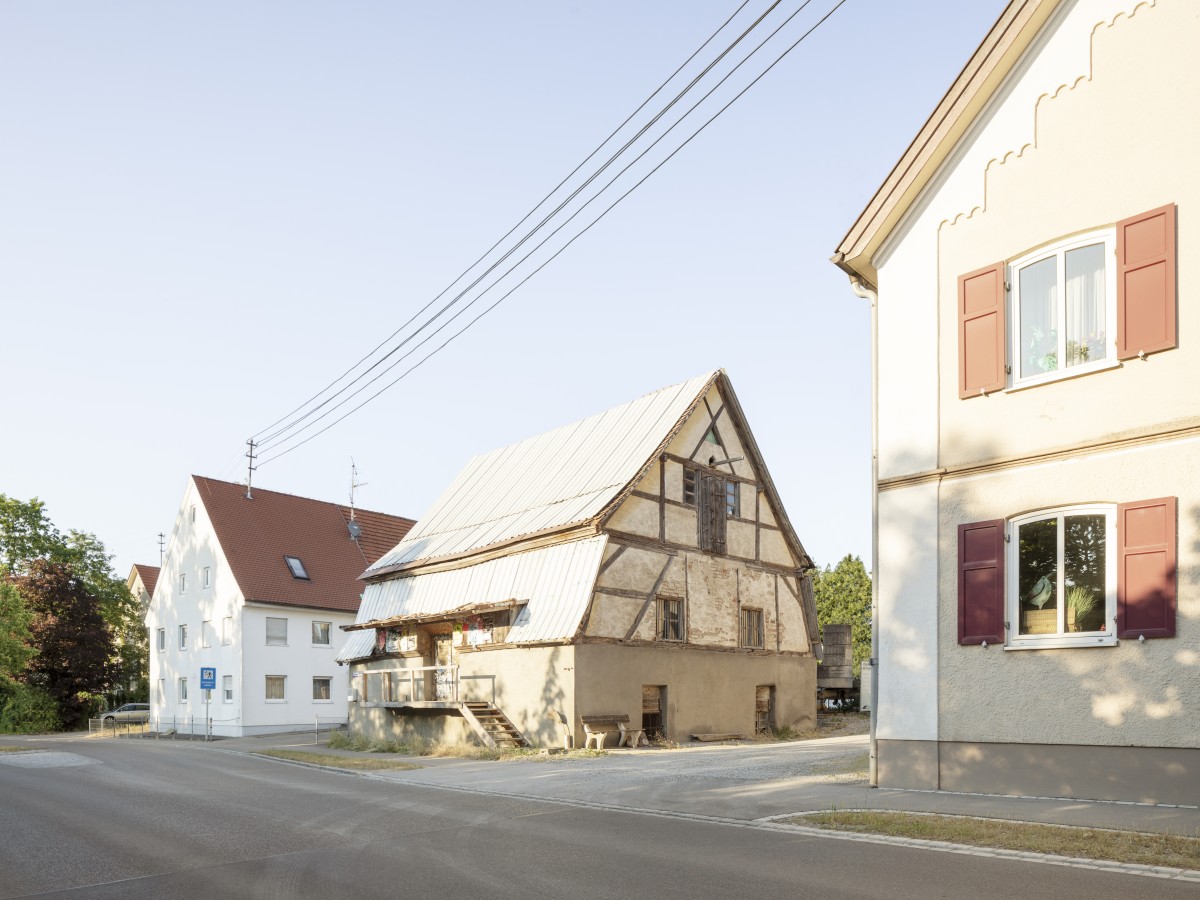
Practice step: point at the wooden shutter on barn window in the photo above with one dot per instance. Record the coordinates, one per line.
(981, 582)
(1146, 283)
(1146, 573)
(711, 514)
(981, 354)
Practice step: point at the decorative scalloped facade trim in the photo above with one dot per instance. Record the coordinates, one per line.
(1048, 96)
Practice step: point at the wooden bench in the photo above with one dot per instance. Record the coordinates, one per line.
(594, 728)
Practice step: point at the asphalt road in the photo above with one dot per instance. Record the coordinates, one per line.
(165, 819)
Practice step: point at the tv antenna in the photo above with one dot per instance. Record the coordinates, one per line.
(162, 543)
(250, 468)
(355, 484)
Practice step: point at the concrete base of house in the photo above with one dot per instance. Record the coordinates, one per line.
(440, 724)
(1136, 774)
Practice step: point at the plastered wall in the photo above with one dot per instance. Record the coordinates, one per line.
(1142, 693)
(1115, 144)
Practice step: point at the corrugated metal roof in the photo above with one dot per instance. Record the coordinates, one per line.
(548, 482)
(554, 582)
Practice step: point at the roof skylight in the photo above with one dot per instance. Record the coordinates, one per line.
(296, 567)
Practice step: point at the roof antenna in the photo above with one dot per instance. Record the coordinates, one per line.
(250, 468)
(162, 540)
(355, 484)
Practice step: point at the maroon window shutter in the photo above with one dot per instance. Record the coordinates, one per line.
(1146, 283)
(981, 582)
(981, 332)
(1146, 581)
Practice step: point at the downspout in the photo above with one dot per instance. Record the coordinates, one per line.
(867, 293)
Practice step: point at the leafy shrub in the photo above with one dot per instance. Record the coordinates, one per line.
(25, 709)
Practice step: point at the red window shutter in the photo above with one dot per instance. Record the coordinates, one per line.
(1146, 283)
(981, 582)
(981, 332)
(1146, 579)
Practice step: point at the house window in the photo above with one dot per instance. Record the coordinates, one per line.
(183, 645)
(320, 633)
(182, 583)
(206, 634)
(183, 690)
(1063, 306)
(192, 513)
(296, 567)
(276, 632)
(1064, 575)
(227, 688)
(733, 502)
(670, 619)
(276, 685)
(322, 688)
(689, 486)
(227, 630)
(206, 577)
(752, 628)
(162, 691)
(162, 639)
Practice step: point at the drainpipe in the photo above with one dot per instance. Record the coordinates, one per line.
(867, 293)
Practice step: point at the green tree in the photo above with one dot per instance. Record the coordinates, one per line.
(15, 650)
(28, 536)
(843, 595)
(74, 643)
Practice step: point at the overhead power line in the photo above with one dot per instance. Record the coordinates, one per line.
(524, 218)
(278, 436)
(559, 228)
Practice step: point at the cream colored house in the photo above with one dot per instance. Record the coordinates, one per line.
(1029, 261)
(635, 564)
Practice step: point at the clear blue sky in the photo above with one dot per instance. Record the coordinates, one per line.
(209, 211)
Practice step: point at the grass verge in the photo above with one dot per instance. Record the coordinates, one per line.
(9, 749)
(340, 762)
(1147, 849)
(417, 746)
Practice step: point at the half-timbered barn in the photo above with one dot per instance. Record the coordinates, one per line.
(633, 569)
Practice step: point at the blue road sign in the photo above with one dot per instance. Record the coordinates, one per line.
(208, 678)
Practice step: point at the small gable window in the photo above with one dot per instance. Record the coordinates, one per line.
(689, 486)
(712, 437)
(733, 506)
(296, 567)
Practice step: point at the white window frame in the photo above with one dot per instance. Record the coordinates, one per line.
(206, 577)
(1059, 249)
(183, 582)
(162, 692)
(183, 637)
(182, 688)
(206, 633)
(267, 631)
(1012, 598)
(317, 678)
(328, 633)
(162, 640)
(282, 699)
(227, 688)
(226, 630)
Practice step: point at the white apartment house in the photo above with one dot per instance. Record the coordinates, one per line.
(257, 585)
(1030, 260)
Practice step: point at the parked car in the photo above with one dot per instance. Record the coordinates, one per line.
(130, 712)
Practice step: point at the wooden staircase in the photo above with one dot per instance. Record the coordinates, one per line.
(492, 726)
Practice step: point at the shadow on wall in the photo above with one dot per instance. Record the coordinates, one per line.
(1140, 693)
(541, 723)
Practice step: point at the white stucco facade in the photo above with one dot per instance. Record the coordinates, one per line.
(197, 591)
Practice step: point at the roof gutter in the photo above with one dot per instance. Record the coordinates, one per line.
(860, 289)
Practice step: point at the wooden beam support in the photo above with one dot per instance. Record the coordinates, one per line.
(649, 598)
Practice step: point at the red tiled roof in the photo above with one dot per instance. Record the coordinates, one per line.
(149, 576)
(257, 534)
